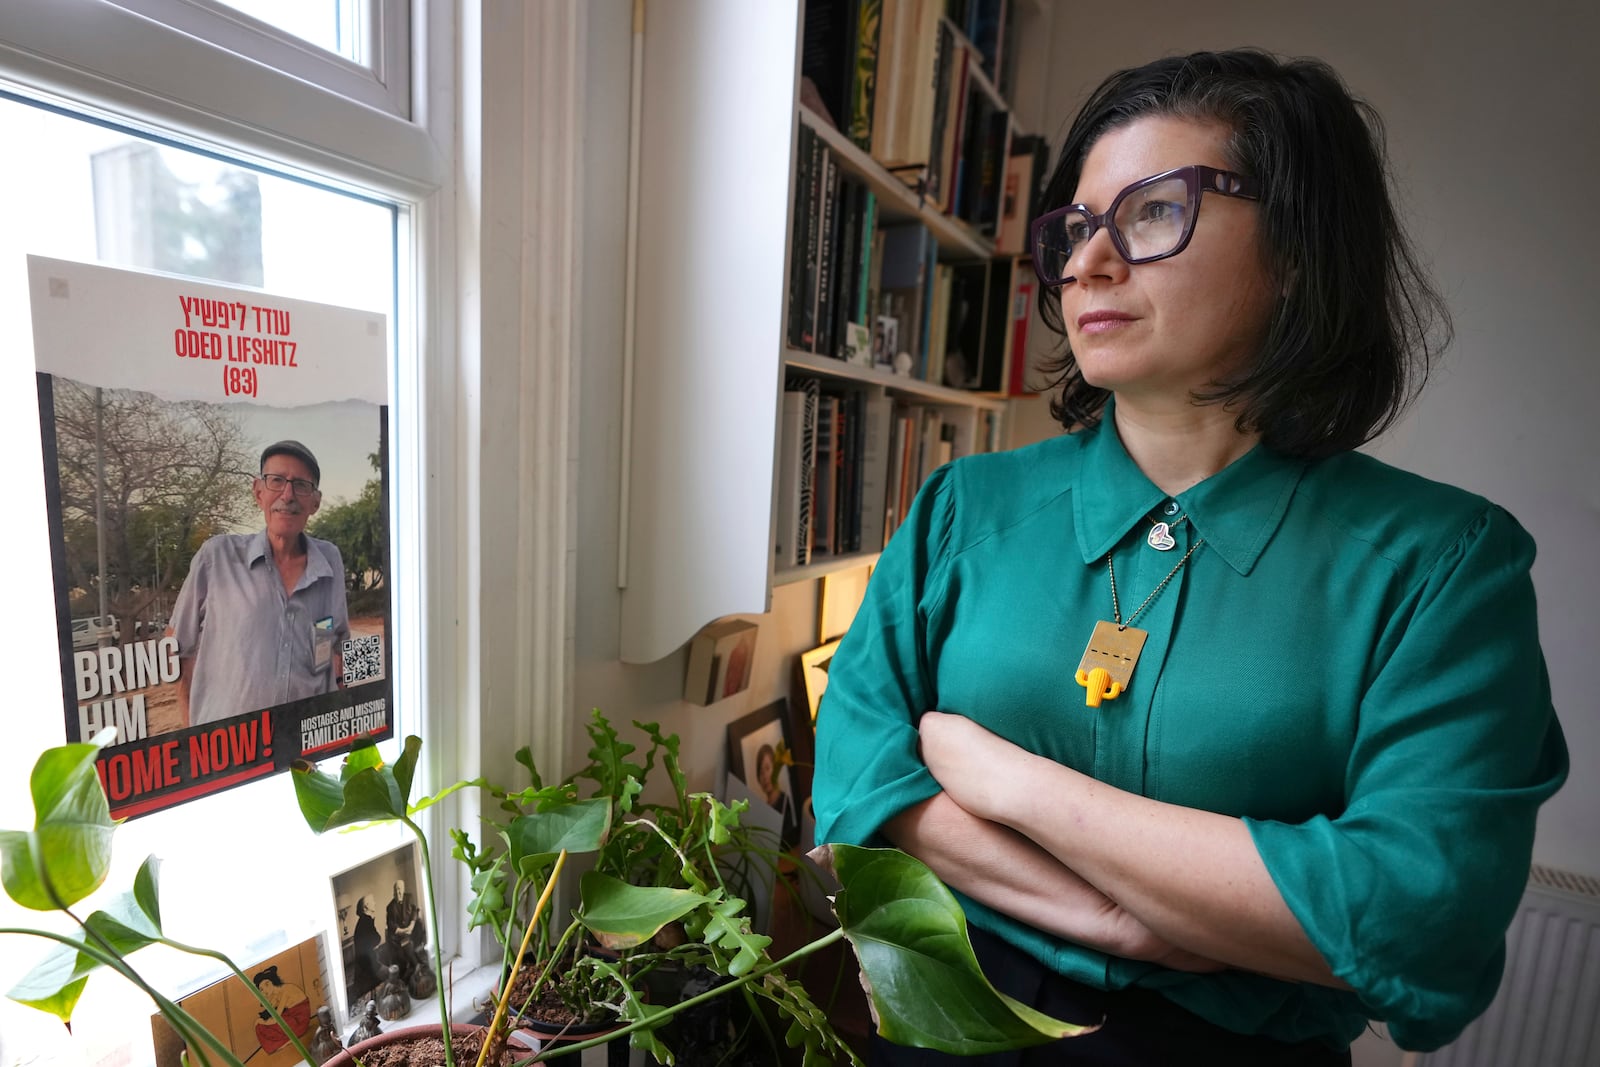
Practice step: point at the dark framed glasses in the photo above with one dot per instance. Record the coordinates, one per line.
(276, 482)
(1149, 220)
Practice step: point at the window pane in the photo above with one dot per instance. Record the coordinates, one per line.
(336, 25)
(240, 874)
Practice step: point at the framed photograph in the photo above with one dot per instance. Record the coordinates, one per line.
(812, 678)
(840, 599)
(292, 981)
(381, 924)
(754, 745)
(721, 657)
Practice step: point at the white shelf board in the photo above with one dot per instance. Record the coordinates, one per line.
(827, 366)
(824, 566)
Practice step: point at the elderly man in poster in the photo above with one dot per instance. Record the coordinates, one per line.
(261, 617)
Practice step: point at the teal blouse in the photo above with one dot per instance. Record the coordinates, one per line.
(1350, 663)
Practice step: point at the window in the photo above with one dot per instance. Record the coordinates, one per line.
(275, 183)
(357, 48)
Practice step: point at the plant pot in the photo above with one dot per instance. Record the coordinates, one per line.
(616, 1053)
(540, 1034)
(367, 1053)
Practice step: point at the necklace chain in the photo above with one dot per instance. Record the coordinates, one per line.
(1111, 571)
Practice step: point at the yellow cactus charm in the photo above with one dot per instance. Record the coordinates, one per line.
(1100, 686)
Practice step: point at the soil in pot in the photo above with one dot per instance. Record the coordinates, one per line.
(550, 1013)
(422, 1046)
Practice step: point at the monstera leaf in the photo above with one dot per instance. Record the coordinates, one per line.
(910, 937)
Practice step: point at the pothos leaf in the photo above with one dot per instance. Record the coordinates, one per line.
(67, 854)
(625, 916)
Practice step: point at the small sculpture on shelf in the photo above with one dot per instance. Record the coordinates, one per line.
(422, 982)
(393, 1000)
(368, 1027)
(325, 1043)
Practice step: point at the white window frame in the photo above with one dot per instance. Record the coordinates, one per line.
(494, 133)
(384, 83)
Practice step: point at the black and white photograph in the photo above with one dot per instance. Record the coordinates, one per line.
(382, 924)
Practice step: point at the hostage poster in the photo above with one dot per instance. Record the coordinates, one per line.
(216, 480)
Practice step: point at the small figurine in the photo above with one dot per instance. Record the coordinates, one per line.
(368, 1026)
(325, 1043)
(422, 984)
(393, 1000)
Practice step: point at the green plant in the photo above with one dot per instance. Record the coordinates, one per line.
(65, 858)
(665, 892)
(908, 932)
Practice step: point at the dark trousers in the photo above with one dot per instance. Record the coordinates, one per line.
(1141, 1028)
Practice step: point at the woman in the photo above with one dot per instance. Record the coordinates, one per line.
(1220, 730)
(775, 795)
(366, 970)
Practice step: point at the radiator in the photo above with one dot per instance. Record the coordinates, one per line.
(1547, 1013)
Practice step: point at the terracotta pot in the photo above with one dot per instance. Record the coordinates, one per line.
(350, 1056)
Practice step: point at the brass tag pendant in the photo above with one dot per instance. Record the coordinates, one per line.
(1108, 662)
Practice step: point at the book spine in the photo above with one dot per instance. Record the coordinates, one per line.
(943, 67)
(816, 168)
(789, 483)
(925, 310)
(797, 237)
(869, 231)
(1021, 313)
(863, 88)
(822, 478)
(822, 339)
(849, 262)
(806, 467)
(877, 429)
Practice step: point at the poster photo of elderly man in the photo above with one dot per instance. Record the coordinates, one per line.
(220, 541)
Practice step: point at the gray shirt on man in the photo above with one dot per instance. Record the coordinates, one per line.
(254, 647)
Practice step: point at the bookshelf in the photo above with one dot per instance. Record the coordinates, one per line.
(703, 470)
(896, 198)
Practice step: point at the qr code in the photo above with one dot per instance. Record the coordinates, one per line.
(363, 658)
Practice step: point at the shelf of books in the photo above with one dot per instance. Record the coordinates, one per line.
(909, 296)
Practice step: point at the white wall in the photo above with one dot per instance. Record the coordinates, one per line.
(651, 692)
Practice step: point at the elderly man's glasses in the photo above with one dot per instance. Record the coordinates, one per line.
(1149, 220)
(276, 482)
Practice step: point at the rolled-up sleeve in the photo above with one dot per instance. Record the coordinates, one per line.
(1408, 893)
(880, 682)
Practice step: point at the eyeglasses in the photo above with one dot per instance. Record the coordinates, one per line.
(1149, 220)
(276, 482)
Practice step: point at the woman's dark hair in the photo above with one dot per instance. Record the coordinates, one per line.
(1351, 340)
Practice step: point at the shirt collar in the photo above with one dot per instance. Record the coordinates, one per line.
(316, 566)
(1236, 510)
